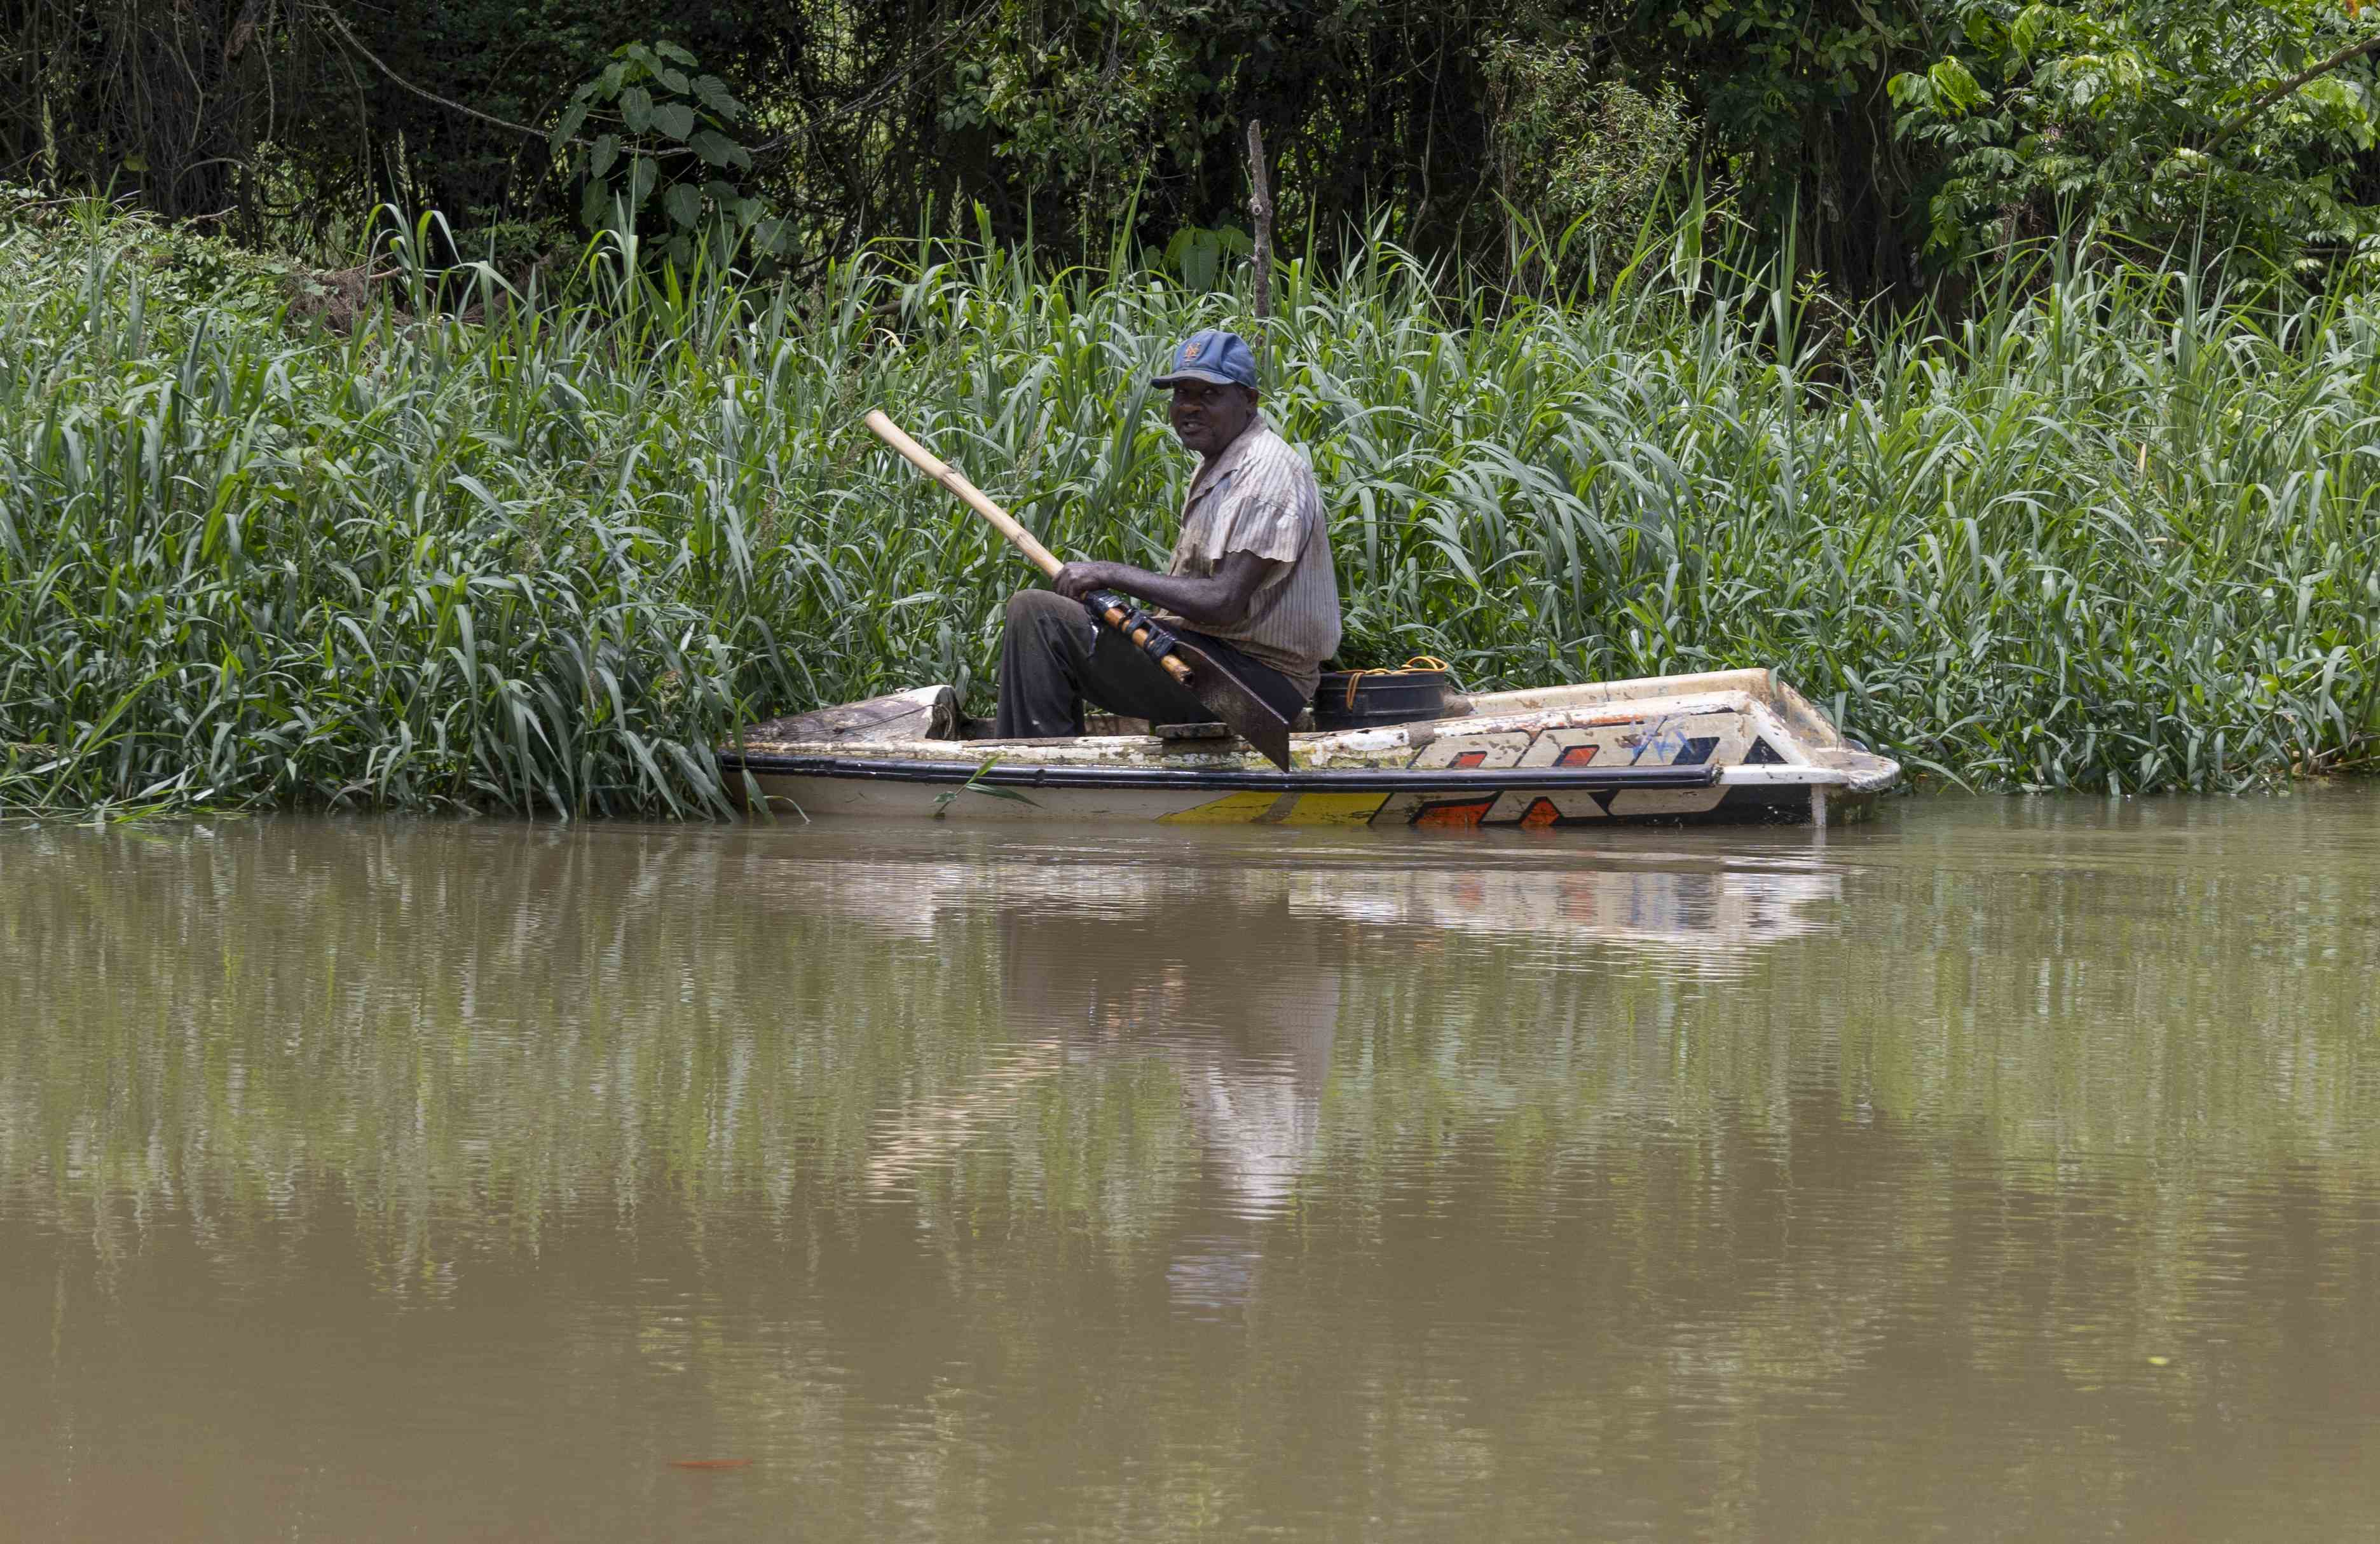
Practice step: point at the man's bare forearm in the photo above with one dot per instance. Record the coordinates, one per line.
(1203, 601)
(1216, 600)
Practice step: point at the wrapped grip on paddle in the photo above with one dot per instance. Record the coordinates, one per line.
(1135, 623)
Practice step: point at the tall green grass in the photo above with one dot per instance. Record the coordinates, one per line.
(2115, 533)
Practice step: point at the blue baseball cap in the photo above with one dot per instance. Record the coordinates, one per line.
(1217, 357)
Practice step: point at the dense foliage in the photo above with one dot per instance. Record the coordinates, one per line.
(1868, 132)
(2114, 531)
(2180, 127)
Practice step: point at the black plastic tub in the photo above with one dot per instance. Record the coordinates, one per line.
(1369, 699)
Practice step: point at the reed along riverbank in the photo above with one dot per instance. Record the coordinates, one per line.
(2114, 530)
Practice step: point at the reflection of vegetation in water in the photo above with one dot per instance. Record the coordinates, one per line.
(2038, 1113)
(2010, 1127)
(469, 1031)
(487, 1026)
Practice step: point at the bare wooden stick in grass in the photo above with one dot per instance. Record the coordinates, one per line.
(1260, 212)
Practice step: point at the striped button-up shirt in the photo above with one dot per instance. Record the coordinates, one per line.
(1257, 495)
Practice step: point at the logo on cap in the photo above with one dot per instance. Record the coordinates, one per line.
(1190, 352)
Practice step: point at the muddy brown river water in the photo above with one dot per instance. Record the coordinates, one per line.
(2007, 1170)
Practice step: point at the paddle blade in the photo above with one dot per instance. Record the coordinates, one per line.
(1234, 703)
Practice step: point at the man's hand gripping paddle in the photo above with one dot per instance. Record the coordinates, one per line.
(1224, 694)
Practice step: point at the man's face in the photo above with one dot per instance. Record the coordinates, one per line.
(1209, 417)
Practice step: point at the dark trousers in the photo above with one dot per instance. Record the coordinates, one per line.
(1053, 659)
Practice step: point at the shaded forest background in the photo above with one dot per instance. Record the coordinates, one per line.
(1880, 141)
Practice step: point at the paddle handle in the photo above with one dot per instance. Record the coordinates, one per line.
(972, 496)
(1001, 521)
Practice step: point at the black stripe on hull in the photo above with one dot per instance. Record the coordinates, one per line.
(1782, 804)
(1437, 783)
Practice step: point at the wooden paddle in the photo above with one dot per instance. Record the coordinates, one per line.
(1225, 695)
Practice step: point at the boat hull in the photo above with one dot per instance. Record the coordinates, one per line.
(1732, 748)
(1520, 798)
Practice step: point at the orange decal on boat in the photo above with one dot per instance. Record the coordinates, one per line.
(1541, 814)
(1453, 817)
(1577, 756)
(1469, 758)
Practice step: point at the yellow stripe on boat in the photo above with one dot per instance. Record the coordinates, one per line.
(1335, 809)
(1231, 809)
(1296, 809)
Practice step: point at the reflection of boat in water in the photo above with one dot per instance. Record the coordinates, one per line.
(1239, 982)
(1728, 747)
(1242, 1006)
(1718, 911)
(1710, 911)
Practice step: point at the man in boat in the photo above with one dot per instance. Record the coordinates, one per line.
(1250, 580)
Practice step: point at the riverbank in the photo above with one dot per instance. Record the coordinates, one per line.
(2115, 534)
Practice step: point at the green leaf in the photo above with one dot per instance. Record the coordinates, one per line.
(675, 80)
(600, 159)
(713, 92)
(642, 175)
(1955, 86)
(713, 146)
(572, 118)
(672, 50)
(674, 119)
(594, 204)
(721, 193)
(684, 203)
(636, 107)
(974, 786)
